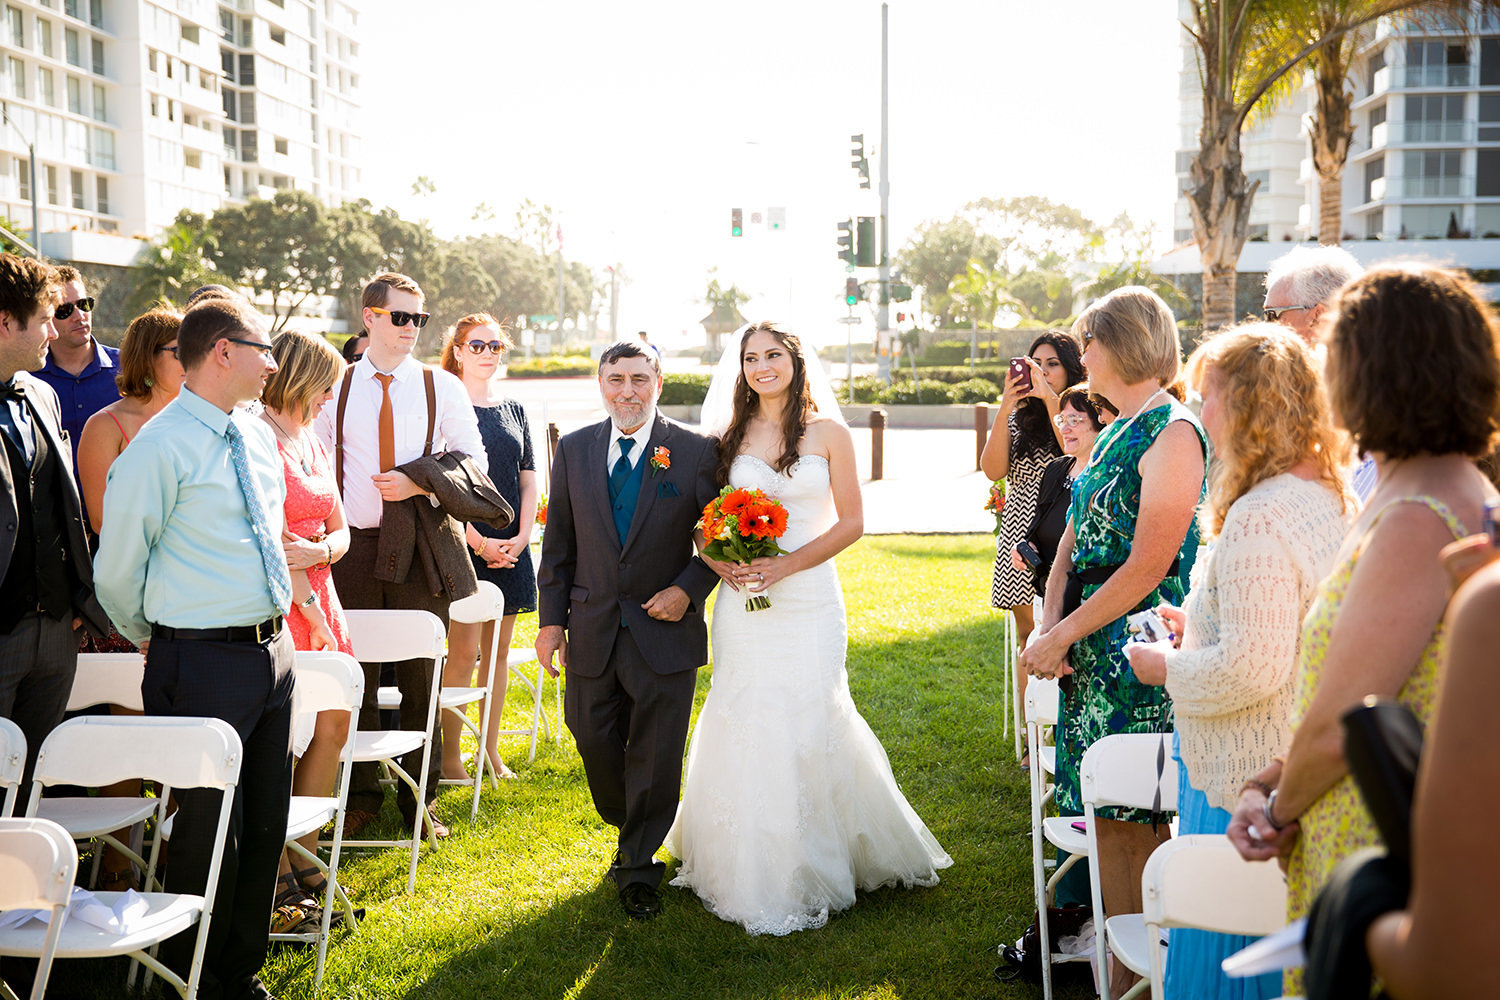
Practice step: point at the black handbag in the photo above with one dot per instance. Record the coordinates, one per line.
(1024, 961)
(1383, 744)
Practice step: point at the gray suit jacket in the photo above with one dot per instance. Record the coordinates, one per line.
(49, 422)
(589, 583)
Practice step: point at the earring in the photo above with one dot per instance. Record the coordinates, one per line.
(150, 381)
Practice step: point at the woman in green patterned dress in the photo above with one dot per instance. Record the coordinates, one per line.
(1129, 545)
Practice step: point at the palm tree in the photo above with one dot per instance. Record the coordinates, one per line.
(1246, 48)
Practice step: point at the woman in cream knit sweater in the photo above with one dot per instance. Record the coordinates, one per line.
(1277, 511)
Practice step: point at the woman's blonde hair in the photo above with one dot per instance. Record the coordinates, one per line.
(1274, 412)
(1138, 331)
(307, 365)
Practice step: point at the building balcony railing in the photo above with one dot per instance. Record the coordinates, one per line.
(1436, 76)
(1437, 131)
(1433, 187)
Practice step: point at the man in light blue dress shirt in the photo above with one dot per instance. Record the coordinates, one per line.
(182, 573)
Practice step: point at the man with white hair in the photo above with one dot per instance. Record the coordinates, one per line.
(1301, 284)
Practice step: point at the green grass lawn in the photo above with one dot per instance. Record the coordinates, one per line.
(516, 907)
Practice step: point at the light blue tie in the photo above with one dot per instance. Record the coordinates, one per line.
(277, 576)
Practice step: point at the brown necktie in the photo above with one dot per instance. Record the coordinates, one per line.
(387, 424)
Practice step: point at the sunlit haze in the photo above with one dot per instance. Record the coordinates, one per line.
(643, 125)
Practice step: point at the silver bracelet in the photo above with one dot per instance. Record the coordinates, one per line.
(1269, 811)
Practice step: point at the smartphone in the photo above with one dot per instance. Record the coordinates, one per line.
(1080, 826)
(1029, 553)
(1020, 369)
(1491, 522)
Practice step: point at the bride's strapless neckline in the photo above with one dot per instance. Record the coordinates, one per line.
(768, 465)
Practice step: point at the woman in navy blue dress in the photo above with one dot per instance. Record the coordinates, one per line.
(472, 352)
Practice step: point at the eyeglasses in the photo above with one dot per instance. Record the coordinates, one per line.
(1274, 315)
(1066, 420)
(479, 346)
(171, 350)
(66, 309)
(264, 349)
(399, 318)
(1088, 337)
(357, 357)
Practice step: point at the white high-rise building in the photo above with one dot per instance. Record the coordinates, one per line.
(141, 108)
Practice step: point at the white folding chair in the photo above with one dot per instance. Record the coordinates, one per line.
(104, 679)
(1201, 881)
(178, 752)
(12, 764)
(379, 636)
(38, 864)
(487, 604)
(329, 681)
(1137, 771)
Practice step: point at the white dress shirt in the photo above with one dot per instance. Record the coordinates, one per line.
(641, 437)
(455, 429)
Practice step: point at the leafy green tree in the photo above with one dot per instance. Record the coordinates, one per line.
(281, 249)
(177, 262)
(937, 253)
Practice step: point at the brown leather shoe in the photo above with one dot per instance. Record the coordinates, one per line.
(356, 820)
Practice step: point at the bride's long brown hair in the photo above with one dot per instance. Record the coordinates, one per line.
(747, 404)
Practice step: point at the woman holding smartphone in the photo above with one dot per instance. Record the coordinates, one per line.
(1021, 443)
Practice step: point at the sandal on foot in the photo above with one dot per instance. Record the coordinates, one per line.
(119, 881)
(294, 910)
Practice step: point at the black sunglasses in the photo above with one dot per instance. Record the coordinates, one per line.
(66, 309)
(170, 350)
(399, 318)
(1273, 315)
(264, 349)
(479, 346)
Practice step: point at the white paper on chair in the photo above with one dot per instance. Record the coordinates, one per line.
(122, 918)
(1272, 953)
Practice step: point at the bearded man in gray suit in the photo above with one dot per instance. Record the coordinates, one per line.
(621, 598)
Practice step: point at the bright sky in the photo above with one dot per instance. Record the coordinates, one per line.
(644, 124)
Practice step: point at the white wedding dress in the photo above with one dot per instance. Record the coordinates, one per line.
(789, 804)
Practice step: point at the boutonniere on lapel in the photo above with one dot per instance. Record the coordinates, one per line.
(661, 459)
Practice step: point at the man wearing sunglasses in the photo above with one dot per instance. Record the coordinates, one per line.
(378, 423)
(1301, 284)
(79, 369)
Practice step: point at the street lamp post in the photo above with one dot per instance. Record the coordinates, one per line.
(36, 218)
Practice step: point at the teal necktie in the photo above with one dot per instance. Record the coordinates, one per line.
(621, 471)
(277, 576)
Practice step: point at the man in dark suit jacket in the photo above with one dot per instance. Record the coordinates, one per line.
(619, 575)
(46, 578)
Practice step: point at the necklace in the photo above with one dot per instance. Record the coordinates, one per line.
(297, 447)
(1099, 455)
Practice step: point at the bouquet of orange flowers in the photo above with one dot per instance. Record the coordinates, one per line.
(541, 509)
(996, 502)
(740, 525)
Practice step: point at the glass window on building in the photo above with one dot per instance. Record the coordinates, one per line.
(75, 95)
(1264, 176)
(101, 195)
(16, 23)
(1487, 173)
(75, 187)
(104, 149)
(247, 70)
(192, 159)
(189, 33)
(1489, 62)
(1435, 118)
(70, 46)
(96, 49)
(1376, 64)
(17, 78)
(70, 8)
(1432, 173)
(1430, 221)
(101, 112)
(44, 36)
(1489, 117)
(48, 87)
(1375, 179)
(52, 193)
(1487, 221)
(1437, 62)
(96, 13)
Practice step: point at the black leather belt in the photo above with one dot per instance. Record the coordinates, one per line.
(261, 633)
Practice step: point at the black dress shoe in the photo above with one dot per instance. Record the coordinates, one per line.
(614, 866)
(641, 901)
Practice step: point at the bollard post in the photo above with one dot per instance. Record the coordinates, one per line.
(981, 431)
(877, 444)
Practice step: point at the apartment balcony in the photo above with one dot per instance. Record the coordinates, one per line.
(1432, 187)
(1429, 77)
(1437, 131)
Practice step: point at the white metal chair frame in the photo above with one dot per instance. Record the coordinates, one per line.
(12, 764)
(378, 636)
(104, 679)
(487, 604)
(1136, 771)
(1200, 881)
(38, 864)
(326, 681)
(178, 752)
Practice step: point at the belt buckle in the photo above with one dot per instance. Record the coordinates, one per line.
(265, 631)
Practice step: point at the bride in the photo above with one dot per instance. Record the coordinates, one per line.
(789, 804)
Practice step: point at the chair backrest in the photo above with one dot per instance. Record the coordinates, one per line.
(12, 763)
(180, 751)
(484, 605)
(38, 862)
(1135, 770)
(388, 636)
(107, 679)
(1041, 701)
(327, 681)
(1201, 881)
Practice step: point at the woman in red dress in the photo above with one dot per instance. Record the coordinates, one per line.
(317, 535)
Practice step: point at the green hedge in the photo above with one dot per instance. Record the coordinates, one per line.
(683, 390)
(991, 371)
(869, 389)
(553, 366)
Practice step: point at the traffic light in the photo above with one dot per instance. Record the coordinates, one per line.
(736, 222)
(851, 291)
(846, 241)
(864, 247)
(858, 161)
